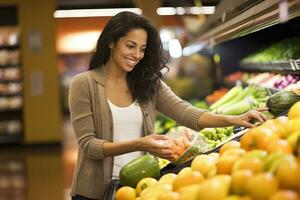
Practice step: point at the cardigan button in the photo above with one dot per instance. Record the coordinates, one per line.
(146, 114)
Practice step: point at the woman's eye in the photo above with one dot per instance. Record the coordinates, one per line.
(130, 46)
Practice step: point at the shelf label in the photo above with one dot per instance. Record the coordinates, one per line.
(36, 83)
(35, 41)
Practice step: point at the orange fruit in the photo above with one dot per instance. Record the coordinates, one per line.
(294, 111)
(262, 186)
(288, 172)
(189, 192)
(215, 188)
(225, 163)
(192, 178)
(167, 178)
(230, 145)
(125, 193)
(168, 196)
(284, 195)
(185, 171)
(279, 145)
(247, 141)
(254, 164)
(263, 135)
(278, 125)
(234, 152)
(145, 183)
(239, 181)
(204, 164)
(293, 126)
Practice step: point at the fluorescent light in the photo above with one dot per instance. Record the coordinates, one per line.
(78, 42)
(189, 50)
(202, 10)
(175, 48)
(180, 11)
(113, 11)
(166, 11)
(208, 10)
(93, 12)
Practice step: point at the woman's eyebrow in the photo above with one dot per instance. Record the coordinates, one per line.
(135, 42)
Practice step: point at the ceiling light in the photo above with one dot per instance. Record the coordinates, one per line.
(93, 12)
(166, 11)
(207, 10)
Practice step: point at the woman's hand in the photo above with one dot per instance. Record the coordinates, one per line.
(158, 145)
(244, 119)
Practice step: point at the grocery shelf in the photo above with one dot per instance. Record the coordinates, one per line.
(241, 18)
(10, 47)
(291, 66)
(8, 139)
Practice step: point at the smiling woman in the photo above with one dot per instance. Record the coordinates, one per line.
(113, 105)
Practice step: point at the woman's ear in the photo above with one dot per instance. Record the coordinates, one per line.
(111, 45)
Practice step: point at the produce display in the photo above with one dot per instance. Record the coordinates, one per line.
(269, 80)
(264, 164)
(239, 100)
(279, 51)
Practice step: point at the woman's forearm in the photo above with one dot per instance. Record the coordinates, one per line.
(118, 148)
(209, 119)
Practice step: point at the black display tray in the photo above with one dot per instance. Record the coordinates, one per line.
(111, 189)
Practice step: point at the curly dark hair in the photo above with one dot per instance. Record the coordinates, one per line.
(144, 79)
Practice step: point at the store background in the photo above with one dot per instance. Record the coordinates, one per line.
(40, 53)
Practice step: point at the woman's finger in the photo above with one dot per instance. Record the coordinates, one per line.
(258, 117)
(262, 109)
(248, 124)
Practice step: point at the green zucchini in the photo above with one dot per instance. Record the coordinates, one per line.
(139, 168)
(281, 101)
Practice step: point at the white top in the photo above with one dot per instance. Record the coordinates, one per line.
(127, 122)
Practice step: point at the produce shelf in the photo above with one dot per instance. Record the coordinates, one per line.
(291, 66)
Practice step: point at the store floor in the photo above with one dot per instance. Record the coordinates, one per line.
(39, 172)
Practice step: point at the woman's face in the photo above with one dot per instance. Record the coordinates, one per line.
(129, 49)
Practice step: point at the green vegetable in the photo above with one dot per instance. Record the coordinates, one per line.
(139, 168)
(227, 97)
(281, 101)
(239, 108)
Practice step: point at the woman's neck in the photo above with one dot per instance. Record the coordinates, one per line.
(114, 73)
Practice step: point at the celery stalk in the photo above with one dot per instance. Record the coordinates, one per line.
(239, 108)
(227, 97)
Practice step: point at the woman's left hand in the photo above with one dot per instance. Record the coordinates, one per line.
(244, 119)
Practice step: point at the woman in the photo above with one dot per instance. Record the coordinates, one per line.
(113, 105)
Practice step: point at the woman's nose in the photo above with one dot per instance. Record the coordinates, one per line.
(137, 54)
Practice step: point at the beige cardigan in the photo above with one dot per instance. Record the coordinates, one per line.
(92, 122)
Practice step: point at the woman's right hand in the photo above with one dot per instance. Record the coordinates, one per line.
(158, 145)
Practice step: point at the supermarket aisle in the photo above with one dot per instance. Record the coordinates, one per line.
(40, 171)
